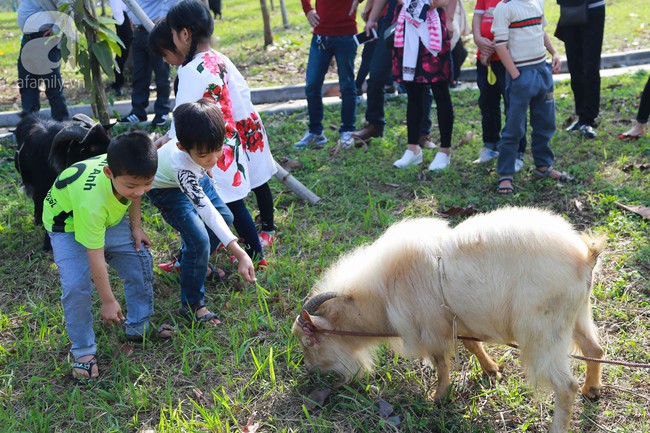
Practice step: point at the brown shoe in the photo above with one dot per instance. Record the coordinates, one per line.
(364, 135)
(426, 142)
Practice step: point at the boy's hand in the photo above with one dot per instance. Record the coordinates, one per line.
(485, 46)
(140, 237)
(111, 312)
(246, 268)
(556, 64)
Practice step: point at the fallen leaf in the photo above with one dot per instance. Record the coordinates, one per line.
(385, 409)
(201, 398)
(458, 211)
(469, 135)
(291, 164)
(317, 398)
(639, 210)
(124, 349)
(394, 420)
(579, 205)
(250, 427)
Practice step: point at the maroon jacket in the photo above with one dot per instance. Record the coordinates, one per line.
(334, 18)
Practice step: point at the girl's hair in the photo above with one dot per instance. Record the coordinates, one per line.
(194, 16)
(200, 125)
(161, 38)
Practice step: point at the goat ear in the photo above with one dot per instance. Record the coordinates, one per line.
(96, 135)
(318, 322)
(306, 317)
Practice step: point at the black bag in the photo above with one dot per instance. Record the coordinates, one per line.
(389, 35)
(573, 15)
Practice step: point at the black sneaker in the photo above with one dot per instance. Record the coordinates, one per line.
(132, 118)
(587, 131)
(160, 120)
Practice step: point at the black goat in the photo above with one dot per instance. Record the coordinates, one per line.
(47, 147)
(215, 7)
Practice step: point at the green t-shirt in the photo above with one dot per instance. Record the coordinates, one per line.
(82, 201)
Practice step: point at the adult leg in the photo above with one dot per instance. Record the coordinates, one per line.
(163, 89)
(125, 33)
(345, 50)
(592, 44)
(380, 73)
(320, 57)
(27, 86)
(135, 268)
(141, 73)
(54, 89)
(573, 42)
(644, 105)
(364, 67)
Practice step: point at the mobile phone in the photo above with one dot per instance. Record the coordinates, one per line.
(362, 38)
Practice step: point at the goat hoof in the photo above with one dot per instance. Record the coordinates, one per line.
(592, 393)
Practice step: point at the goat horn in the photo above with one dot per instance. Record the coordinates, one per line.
(312, 304)
(80, 117)
(70, 133)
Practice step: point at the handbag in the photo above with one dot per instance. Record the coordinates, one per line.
(573, 15)
(389, 35)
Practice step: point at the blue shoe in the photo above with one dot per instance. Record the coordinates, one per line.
(310, 140)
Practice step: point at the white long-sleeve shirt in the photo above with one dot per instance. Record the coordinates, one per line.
(176, 169)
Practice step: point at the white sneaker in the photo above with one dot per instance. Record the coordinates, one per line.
(408, 158)
(440, 162)
(486, 155)
(346, 140)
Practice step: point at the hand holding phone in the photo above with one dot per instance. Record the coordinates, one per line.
(362, 38)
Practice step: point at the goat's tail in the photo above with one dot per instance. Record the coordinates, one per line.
(595, 243)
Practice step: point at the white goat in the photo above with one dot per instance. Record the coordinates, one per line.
(515, 275)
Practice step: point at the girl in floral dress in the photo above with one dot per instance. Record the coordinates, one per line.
(247, 162)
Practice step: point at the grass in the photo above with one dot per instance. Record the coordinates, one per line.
(249, 368)
(240, 36)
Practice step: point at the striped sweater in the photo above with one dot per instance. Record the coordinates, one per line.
(519, 24)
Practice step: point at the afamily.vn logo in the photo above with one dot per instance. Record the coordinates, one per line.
(35, 55)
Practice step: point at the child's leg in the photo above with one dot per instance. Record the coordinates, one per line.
(246, 229)
(179, 212)
(136, 269)
(445, 113)
(489, 102)
(265, 204)
(542, 116)
(518, 92)
(71, 259)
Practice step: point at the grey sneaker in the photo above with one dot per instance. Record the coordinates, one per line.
(346, 140)
(486, 155)
(311, 140)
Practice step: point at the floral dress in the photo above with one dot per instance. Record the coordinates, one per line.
(247, 161)
(430, 69)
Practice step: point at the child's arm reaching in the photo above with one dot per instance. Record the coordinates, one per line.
(110, 312)
(189, 184)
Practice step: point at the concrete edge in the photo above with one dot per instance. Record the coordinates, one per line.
(281, 94)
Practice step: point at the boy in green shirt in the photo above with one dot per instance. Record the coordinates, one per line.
(85, 215)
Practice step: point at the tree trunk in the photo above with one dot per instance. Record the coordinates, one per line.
(285, 19)
(268, 34)
(99, 104)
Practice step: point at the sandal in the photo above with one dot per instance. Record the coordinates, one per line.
(188, 312)
(564, 177)
(505, 190)
(86, 366)
(164, 332)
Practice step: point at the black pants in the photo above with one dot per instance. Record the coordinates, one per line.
(644, 106)
(125, 33)
(583, 47)
(144, 62)
(417, 105)
(28, 82)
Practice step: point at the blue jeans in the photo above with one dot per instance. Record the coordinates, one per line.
(321, 51)
(534, 89)
(198, 240)
(133, 267)
(489, 101)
